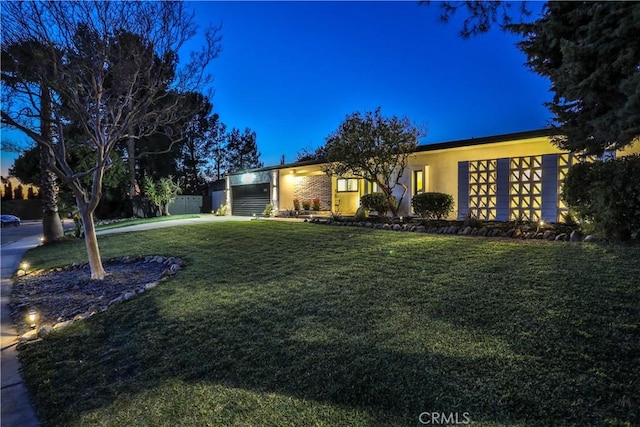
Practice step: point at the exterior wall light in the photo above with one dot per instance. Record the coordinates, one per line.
(248, 178)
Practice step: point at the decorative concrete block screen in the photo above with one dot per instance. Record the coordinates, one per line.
(310, 187)
(565, 161)
(483, 179)
(514, 189)
(525, 189)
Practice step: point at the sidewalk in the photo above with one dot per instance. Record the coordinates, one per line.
(17, 410)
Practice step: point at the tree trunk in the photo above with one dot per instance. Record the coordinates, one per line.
(91, 242)
(52, 229)
(131, 150)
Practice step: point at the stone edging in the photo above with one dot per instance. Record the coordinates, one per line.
(515, 233)
(173, 266)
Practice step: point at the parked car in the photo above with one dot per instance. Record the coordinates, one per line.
(9, 220)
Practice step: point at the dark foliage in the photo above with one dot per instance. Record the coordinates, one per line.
(432, 205)
(378, 202)
(608, 195)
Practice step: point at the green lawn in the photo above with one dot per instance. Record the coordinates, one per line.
(137, 221)
(292, 324)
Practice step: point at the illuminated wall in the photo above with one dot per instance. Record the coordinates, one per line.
(470, 173)
(304, 183)
(502, 180)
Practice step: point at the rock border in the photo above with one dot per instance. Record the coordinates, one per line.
(173, 266)
(514, 233)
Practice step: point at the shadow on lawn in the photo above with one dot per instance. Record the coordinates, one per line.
(563, 366)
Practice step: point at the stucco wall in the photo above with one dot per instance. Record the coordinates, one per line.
(440, 174)
(442, 165)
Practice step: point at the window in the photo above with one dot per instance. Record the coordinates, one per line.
(347, 185)
(372, 187)
(418, 182)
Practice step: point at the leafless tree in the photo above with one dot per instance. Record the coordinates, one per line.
(112, 70)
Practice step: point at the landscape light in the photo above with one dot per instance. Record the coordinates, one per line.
(24, 265)
(248, 178)
(32, 318)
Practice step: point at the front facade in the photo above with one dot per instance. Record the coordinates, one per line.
(506, 177)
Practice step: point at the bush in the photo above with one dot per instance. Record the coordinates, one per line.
(315, 204)
(296, 204)
(432, 205)
(268, 210)
(608, 195)
(361, 213)
(375, 202)
(306, 205)
(472, 221)
(222, 210)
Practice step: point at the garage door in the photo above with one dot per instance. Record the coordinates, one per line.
(249, 199)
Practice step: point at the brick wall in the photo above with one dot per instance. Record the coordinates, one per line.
(310, 187)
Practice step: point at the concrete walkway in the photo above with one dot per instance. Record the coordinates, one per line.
(16, 407)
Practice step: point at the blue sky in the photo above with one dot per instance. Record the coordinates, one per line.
(292, 71)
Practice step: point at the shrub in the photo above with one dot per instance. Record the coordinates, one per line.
(432, 205)
(268, 210)
(608, 195)
(296, 204)
(306, 205)
(361, 213)
(315, 204)
(375, 202)
(222, 210)
(472, 221)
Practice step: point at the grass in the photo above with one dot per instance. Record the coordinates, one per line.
(288, 324)
(136, 221)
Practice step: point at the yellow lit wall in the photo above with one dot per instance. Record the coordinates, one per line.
(442, 165)
(346, 202)
(288, 176)
(631, 149)
(440, 171)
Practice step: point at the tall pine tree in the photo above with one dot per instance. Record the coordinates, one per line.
(242, 150)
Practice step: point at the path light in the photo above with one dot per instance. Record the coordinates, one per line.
(32, 318)
(24, 265)
(541, 223)
(41, 239)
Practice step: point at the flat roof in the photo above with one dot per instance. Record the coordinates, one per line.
(485, 140)
(431, 147)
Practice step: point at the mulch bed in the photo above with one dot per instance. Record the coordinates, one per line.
(62, 294)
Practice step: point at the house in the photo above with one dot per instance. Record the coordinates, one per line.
(515, 176)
